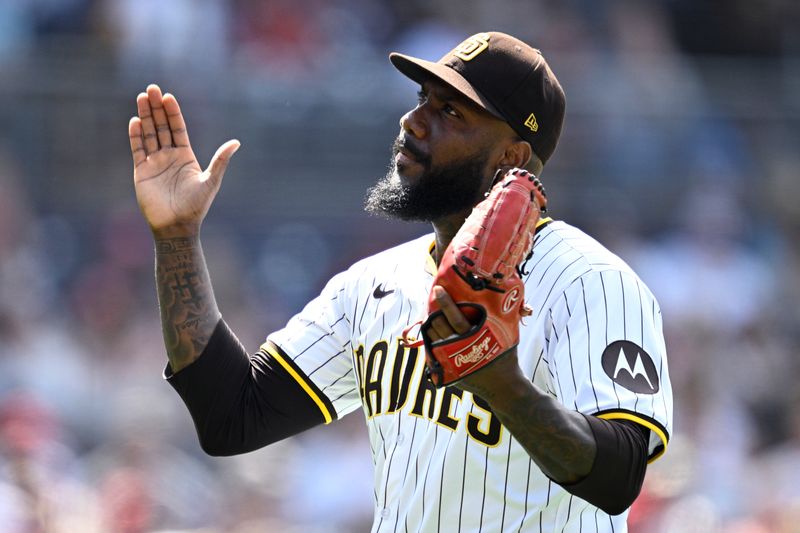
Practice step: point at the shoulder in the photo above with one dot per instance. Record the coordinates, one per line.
(560, 244)
(408, 256)
(564, 255)
(413, 251)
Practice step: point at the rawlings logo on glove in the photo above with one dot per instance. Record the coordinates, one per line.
(480, 270)
(476, 353)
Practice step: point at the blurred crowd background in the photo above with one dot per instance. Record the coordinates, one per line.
(680, 152)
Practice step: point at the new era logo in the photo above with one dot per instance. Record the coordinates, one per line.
(531, 123)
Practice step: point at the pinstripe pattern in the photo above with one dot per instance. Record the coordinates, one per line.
(441, 463)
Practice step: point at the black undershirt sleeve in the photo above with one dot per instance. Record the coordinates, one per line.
(619, 466)
(241, 403)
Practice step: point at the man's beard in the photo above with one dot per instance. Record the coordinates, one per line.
(438, 193)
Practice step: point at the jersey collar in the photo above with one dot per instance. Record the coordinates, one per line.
(430, 262)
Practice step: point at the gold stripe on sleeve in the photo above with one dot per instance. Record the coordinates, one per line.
(300, 380)
(617, 415)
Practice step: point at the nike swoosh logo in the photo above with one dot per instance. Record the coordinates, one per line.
(380, 293)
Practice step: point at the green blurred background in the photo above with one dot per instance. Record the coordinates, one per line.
(680, 151)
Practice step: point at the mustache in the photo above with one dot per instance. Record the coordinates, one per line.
(409, 146)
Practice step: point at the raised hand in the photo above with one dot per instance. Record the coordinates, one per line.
(173, 192)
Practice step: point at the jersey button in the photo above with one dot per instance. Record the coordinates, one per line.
(400, 439)
(386, 512)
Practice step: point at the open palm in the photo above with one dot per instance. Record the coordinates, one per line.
(173, 192)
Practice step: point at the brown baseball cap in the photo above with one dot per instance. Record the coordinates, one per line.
(505, 76)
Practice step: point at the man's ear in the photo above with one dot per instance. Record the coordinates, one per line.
(517, 154)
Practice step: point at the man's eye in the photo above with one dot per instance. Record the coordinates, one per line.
(421, 98)
(450, 110)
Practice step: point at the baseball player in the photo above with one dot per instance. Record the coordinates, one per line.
(553, 430)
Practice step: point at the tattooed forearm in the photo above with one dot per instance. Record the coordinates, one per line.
(559, 441)
(189, 311)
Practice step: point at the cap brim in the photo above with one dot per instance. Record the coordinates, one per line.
(420, 70)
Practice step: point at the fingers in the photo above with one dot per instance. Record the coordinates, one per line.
(162, 123)
(453, 322)
(148, 126)
(163, 132)
(451, 311)
(440, 329)
(176, 124)
(137, 141)
(220, 160)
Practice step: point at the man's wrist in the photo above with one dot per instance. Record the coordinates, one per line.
(506, 395)
(176, 231)
(501, 384)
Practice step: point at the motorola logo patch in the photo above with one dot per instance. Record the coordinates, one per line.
(629, 366)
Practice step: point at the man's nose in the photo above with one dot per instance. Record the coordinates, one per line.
(414, 123)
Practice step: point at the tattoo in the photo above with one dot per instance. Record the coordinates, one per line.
(185, 284)
(189, 311)
(560, 441)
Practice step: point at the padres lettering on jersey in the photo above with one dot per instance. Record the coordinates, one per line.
(407, 380)
(442, 459)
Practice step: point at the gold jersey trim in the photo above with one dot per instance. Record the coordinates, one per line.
(641, 420)
(301, 380)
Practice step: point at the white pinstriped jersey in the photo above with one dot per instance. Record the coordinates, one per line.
(443, 462)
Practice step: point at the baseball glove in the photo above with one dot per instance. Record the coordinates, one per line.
(481, 270)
